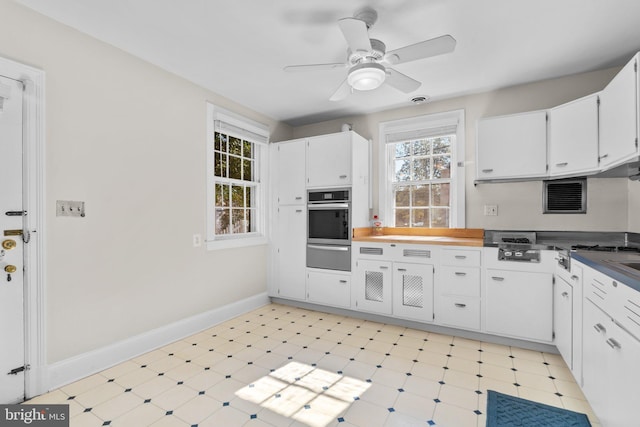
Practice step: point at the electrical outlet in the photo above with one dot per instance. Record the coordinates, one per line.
(197, 240)
(491, 210)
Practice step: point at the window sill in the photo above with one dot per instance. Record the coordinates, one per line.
(213, 245)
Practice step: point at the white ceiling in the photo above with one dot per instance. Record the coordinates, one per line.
(238, 48)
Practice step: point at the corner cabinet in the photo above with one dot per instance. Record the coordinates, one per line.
(512, 147)
(573, 138)
(619, 117)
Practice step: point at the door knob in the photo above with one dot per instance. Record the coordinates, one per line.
(9, 244)
(10, 269)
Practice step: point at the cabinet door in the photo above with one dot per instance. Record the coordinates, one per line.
(329, 288)
(512, 146)
(291, 253)
(595, 367)
(290, 173)
(573, 137)
(413, 291)
(519, 304)
(329, 160)
(372, 286)
(618, 117)
(563, 319)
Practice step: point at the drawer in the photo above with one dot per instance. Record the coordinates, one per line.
(460, 312)
(460, 281)
(461, 257)
(371, 250)
(628, 313)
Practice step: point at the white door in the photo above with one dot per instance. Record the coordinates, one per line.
(12, 342)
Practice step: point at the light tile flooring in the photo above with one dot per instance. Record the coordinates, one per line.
(286, 366)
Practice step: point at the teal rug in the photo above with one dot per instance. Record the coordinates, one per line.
(509, 411)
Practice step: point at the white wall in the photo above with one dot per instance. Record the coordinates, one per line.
(634, 206)
(519, 204)
(129, 140)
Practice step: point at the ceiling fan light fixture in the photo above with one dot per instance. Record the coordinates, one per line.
(366, 76)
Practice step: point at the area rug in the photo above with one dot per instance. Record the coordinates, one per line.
(509, 411)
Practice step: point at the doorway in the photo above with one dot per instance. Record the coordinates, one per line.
(22, 335)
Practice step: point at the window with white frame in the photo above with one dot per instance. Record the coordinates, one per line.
(235, 176)
(423, 163)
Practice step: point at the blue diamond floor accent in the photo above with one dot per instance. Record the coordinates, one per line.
(506, 411)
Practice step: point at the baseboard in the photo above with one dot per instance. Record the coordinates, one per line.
(77, 367)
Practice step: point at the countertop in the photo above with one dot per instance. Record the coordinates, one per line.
(431, 236)
(606, 263)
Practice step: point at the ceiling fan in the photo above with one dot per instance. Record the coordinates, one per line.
(369, 62)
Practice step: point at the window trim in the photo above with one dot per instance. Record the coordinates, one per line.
(259, 237)
(458, 176)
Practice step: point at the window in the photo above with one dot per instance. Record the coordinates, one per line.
(425, 180)
(235, 157)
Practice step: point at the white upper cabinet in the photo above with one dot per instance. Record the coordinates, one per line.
(290, 173)
(329, 160)
(573, 137)
(619, 117)
(512, 147)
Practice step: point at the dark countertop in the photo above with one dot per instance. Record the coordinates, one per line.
(608, 263)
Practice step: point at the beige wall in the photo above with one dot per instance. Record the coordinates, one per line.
(634, 206)
(519, 204)
(129, 140)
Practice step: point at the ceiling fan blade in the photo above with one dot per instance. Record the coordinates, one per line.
(421, 50)
(401, 82)
(356, 33)
(314, 67)
(343, 91)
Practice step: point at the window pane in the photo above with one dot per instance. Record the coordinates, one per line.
(237, 196)
(421, 147)
(248, 195)
(441, 145)
(235, 146)
(247, 169)
(402, 217)
(220, 141)
(440, 195)
(402, 196)
(238, 221)
(442, 167)
(403, 149)
(420, 195)
(222, 195)
(247, 149)
(250, 215)
(220, 167)
(403, 169)
(420, 169)
(235, 167)
(222, 221)
(440, 217)
(420, 218)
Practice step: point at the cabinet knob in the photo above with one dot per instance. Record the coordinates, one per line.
(565, 294)
(574, 277)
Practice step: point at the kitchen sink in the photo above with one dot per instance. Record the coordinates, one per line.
(634, 265)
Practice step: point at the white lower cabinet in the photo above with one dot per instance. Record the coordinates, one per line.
(610, 371)
(329, 288)
(563, 319)
(290, 253)
(459, 311)
(519, 304)
(372, 286)
(413, 291)
(458, 289)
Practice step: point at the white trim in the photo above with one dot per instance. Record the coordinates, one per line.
(77, 367)
(236, 243)
(457, 158)
(34, 177)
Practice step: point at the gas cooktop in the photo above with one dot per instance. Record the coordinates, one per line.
(605, 248)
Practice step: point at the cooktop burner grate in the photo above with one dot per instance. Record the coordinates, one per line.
(601, 248)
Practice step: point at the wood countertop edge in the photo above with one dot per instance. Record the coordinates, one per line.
(426, 236)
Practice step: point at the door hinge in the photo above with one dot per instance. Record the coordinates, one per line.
(19, 369)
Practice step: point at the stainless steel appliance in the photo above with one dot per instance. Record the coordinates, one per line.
(329, 229)
(516, 246)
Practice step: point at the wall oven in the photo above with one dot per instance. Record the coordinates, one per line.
(329, 229)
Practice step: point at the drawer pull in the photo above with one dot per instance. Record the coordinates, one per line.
(299, 198)
(461, 257)
(343, 281)
(460, 305)
(343, 176)
(384, 267)
(298, 210)
(574, 277)
(402, 269)
(460, 273)
(487, 170)
(599, 328)
(562, 164)
(613, 343)
(497, 278)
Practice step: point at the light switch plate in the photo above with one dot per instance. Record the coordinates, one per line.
(69, 208)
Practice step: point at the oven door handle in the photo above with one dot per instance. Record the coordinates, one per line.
(329, 248)
(322, 206)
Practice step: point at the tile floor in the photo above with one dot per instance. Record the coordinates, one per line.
(286, 366)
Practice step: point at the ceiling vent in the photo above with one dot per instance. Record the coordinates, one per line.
(567, 196)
